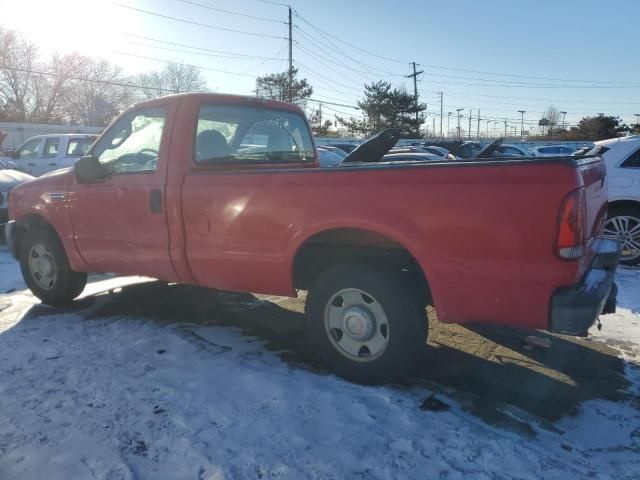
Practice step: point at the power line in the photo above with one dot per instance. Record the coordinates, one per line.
(193, 46)
(347, 43)
(190, 22)
(230, 55)
(196, 66)
(83, 79)
(208, 7)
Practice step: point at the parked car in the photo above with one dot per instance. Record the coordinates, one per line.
(9, 179)
(433, 151)
(551, 151)
(505, 150)
(172, 190)
(440, 151)
(44, 153)
(622, 157)
(394, 156)
(329, 158)
(336, 150)
(468, 149)
(583, 150)
(346, 147)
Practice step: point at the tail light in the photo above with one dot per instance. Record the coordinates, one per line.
(572, 226)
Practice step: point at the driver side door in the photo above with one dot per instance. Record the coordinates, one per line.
(120, 223)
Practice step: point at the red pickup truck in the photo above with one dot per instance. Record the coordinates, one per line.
(226, 192)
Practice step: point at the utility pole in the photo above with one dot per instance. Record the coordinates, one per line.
(488, 128)
(320, 113)
(415, 89)
(459, 110)
(434, 126)
(441, 115)
(505, 127)
(522, 112)
(478, 132)
(469, 135)
(290, 56)
(637, 115)
(449, 123)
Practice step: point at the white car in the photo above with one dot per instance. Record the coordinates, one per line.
(622, 158)
(8, 180)
(44, 153)
(551, 151)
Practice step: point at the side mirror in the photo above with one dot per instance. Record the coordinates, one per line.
(89, 170)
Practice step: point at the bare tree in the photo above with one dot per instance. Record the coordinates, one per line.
(553, 118)
(99, 92)
(17, 61)
(173, 78)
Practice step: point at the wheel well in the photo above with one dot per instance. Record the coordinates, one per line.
(623, 204)
(354, 245)
(30, 222)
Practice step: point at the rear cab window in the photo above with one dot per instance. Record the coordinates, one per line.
(239, 134)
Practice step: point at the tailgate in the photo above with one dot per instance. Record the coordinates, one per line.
(593, 172)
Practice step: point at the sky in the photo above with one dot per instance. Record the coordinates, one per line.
(496, 56)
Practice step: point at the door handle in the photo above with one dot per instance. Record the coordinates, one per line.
(155, 201)
(53, 164)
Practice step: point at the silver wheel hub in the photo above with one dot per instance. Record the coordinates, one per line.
(627, 230)
(42, 266)
(356, 325)
(359, 323)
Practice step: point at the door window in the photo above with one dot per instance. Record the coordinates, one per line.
(241, 134)
(29, 149)
(132, 144)
(51, 146)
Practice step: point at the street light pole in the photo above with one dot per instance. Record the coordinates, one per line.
(522, 112)
(564, 115)
(469, 133)
(449, 123)
(459, 110)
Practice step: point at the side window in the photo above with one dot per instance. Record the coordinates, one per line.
(51, 146)
(132, 144)
(78, 146)
(245, 134)
(633, 161)
(29, 149)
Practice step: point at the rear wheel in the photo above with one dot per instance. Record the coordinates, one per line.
(624, 223)
(46, 270)
(366, 324)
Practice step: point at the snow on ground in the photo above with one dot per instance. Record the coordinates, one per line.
(122, 397)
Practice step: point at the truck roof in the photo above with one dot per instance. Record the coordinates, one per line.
(227, 99)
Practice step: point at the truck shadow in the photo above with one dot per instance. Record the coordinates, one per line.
(482, 368)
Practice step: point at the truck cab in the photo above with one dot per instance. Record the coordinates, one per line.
(44, 153)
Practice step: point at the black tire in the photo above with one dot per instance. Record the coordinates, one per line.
(626, 211)
(67, 284)
(405, 315)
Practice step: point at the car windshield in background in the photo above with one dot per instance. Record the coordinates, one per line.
(231, 133)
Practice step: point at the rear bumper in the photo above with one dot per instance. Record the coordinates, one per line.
(575, 309)
(10, 236)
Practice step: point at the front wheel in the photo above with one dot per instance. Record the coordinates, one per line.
(366, 324)
(624, 223)
(46, 270)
